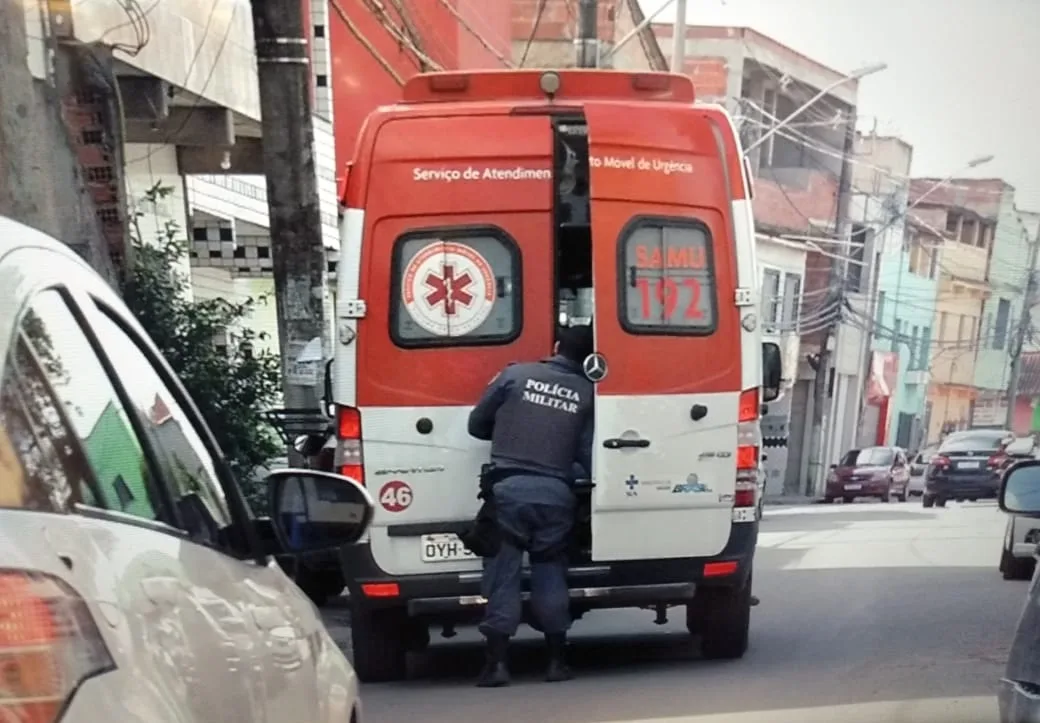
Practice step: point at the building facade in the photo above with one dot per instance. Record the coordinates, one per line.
(964, 216)
(1010, 267)
(901, 302)
(796, 171)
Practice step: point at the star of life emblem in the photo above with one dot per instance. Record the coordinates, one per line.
(448, 289)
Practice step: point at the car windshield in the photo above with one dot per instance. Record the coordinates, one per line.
(869, 457)
(972, 443)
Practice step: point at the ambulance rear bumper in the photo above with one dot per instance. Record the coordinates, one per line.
(630, 583)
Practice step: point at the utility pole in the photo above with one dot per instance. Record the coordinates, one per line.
(836, 286)
(1018, 344)
(679, 37)
(586, 44)
(297, 251)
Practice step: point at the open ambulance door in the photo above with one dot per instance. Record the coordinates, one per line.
(667, 335)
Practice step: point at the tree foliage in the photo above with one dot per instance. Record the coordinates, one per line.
(209, 345)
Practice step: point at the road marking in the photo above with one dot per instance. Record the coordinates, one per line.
(982, 709)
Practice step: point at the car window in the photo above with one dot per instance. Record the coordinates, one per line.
(189, 467)
(95, 416)
(973, 443)
(455, 287)
(667, 278)
(869, 457)
(42, 466)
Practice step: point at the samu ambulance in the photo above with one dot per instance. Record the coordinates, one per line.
(481, 212)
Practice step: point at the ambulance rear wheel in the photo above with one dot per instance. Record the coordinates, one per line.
(380, 644)
(722, 616)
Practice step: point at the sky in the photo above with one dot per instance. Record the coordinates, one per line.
(963, 77)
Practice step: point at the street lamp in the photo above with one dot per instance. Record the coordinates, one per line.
(974, 163)
(854, 75)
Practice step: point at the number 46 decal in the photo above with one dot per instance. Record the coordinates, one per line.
(395, 496)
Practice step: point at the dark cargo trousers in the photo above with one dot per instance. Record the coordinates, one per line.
(539, 512)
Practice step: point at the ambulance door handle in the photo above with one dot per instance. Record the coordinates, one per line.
(618, 443)
(698, 412)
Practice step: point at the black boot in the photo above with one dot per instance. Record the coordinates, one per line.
(557, 670)
(495, 673)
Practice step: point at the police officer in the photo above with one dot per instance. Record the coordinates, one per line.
(538, 417)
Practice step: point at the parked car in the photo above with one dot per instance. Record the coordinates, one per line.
(918, 466)
(1019, 496)
(152, 591)
(870, 472)
(966, 466)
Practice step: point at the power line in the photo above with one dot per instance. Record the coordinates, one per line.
(480, 38)
(366, 43)
(387, 21)
(534, 31)
(198, 94)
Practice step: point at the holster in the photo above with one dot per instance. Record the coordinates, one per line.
(483, 537)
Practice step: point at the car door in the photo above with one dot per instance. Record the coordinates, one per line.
(668, 407)
(267, 631)
(155, 574)
(206, 628)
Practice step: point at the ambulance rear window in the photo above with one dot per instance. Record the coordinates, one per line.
(667, 277)
(455, 287)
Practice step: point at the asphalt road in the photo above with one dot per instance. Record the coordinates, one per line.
(869, 612)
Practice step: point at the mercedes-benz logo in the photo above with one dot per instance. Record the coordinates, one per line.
(595, 367)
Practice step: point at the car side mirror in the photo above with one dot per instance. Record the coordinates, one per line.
(1020, 489)
(772, 371)
(314, 510)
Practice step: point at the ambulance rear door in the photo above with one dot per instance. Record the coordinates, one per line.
(667, 333)
(457, 277)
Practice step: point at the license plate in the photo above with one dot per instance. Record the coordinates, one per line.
(443, 547)
(745, 514)
(853, 487)
(969, 465)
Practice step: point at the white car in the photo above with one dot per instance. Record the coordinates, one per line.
(136, 585)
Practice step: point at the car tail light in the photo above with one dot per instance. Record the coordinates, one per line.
(748, 439)
(49, 644)
(747, 476)
(745, 494)
(748, 407)
(720, 569)
(997, 460)
(349, 460)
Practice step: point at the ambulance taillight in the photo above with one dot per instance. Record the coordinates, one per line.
(748, 436)
(349, 460)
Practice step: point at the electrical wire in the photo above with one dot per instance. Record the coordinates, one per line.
(409, 25)
(199, 93)
(534, 31)
(480, 38)
(137, 19)
(365, 42)
(387, 21)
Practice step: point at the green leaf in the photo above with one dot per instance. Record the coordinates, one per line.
(232, 385)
